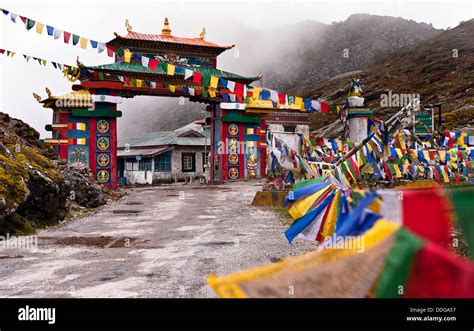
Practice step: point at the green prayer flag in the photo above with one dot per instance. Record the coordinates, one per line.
(30, 24)
(206, 79)
(398, 264)
(462, 200)
(75, 39)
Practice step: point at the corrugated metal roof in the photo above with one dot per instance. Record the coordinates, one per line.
(161, 69)
(164, 138)
(172, 39)
(142, 151)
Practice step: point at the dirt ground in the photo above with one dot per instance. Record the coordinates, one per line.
(154, 242)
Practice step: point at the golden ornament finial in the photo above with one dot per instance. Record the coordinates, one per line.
(37, 97)
(203, 33)
(166, 28)
(128, 26)
(117, 35)
(49, 92)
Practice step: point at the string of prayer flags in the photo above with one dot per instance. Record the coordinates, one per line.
(57, 33)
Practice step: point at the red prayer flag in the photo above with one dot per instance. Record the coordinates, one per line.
(239, 89)
(324, 107)
(110, 51)
(2, 51)
(437, 273)
(427, 214)
(197, 77)
(24, 19)
(67, 36)
(152, 64)
(282, 98)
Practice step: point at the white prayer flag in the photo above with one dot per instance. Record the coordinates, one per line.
(57, 33)
(188, 73)
(153, 84)
(231, 86)
(274, 96)
(13, 17)
(145, 61)
(315, 105)
(191, 91)
(101, 47)
(232, 97)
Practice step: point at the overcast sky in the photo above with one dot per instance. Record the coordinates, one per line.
(99, 19)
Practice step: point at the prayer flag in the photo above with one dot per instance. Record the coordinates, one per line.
(67, 36)
(152, 64)
(39, 27)
(214, 82)
(30, 24)
(75, 39)
(197, 77)
(57, 34)
(187, 73)
(170, 70)
(231, 85)
(83, 42)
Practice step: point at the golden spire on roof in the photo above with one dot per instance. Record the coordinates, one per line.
(166, 28)
(48, 91)
(203, 33)
(128, 26)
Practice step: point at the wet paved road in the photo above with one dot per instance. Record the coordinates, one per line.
(154, 242)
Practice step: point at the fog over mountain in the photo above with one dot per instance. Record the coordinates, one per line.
(291, 58)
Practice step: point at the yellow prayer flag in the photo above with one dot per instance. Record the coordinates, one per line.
(83, 42)
(170, 70)
(299, 102)
(255, 93)
(127, 55)
(445, 176)
(139, 82)
(398, 174)
(399, 152)
(214, 81)
(212, 93)
(360, 161)
(39, 27)
(426, 155)
(44, 62)
(172, 87)
(331, 219)
(442, 155)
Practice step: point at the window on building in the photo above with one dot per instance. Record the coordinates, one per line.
(163, 162)
(131, 165)
(145, 164)
(188, 162)
(205, 160)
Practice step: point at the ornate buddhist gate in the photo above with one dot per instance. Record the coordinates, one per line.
(161, 65)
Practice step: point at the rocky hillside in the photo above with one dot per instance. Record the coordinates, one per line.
(440, 69)
(353, 44)
(36, 191)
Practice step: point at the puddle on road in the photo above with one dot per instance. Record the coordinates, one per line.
(133, 203)
(218, 243)
(126, 211)
(101, 242)
(2, 257)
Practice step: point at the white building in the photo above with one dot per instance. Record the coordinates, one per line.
(165, 156)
